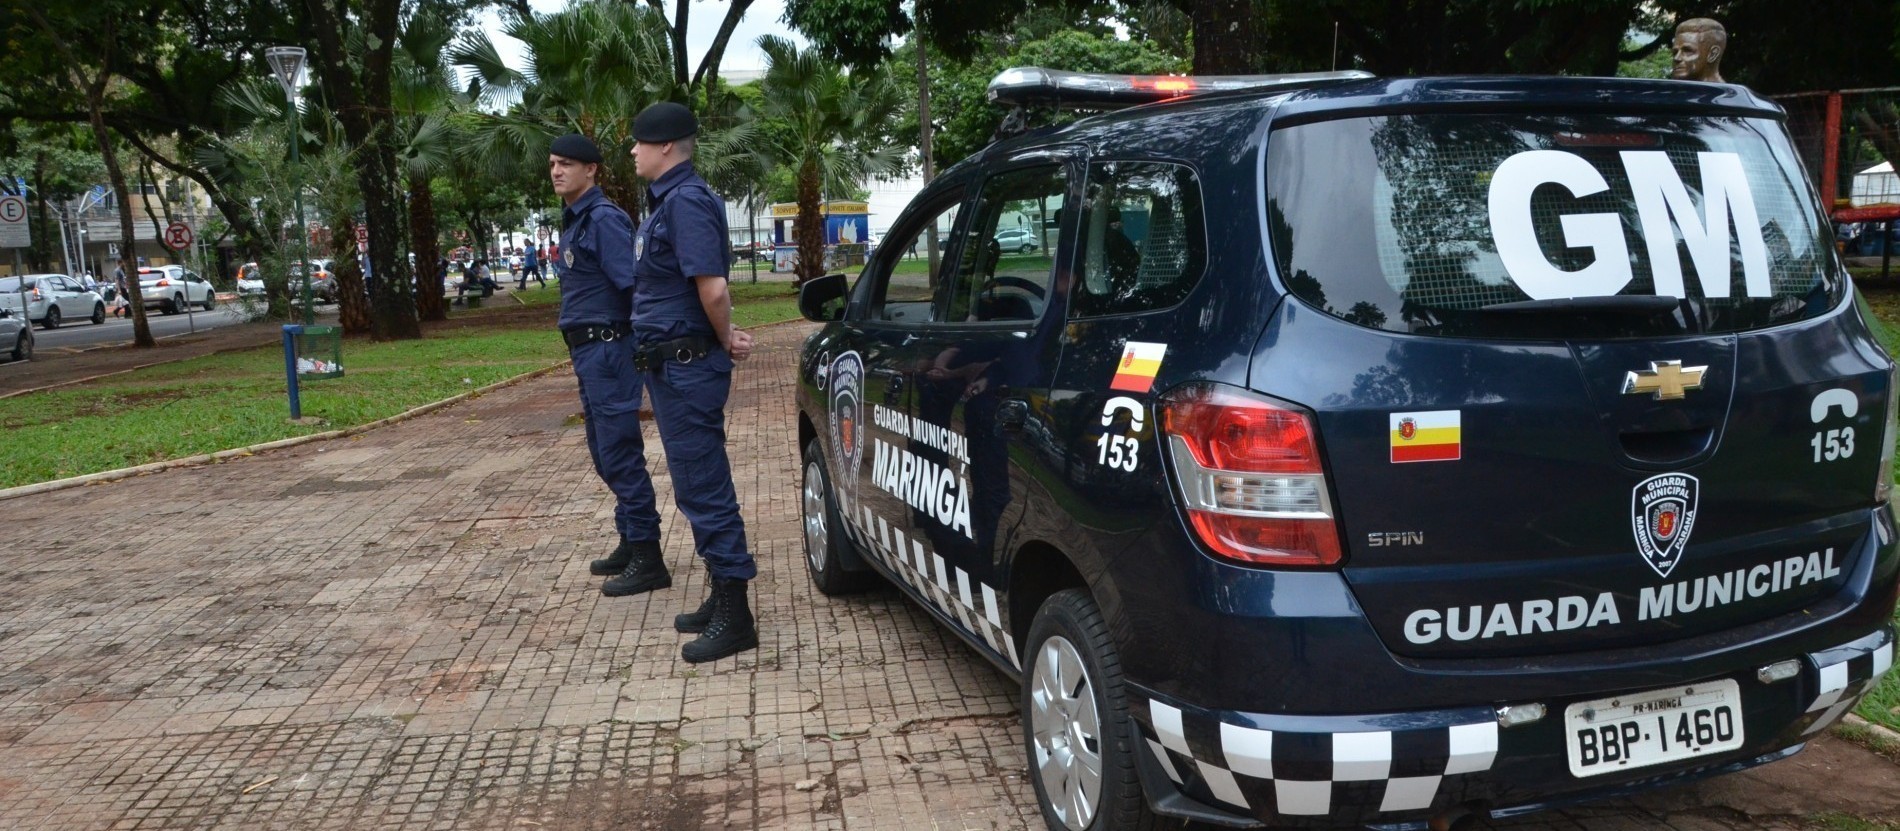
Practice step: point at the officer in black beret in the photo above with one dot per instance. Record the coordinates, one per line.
(596, 322)
(682, 322)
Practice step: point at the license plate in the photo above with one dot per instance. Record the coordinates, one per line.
(1653, 728)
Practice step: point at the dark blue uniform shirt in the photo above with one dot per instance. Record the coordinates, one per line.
(685, 238)
(597, 257)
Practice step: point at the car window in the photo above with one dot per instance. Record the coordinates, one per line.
(1459, 225)
(1144, 243)
(1006, 265)
(906, 293)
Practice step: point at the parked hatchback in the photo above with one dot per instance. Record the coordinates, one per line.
(1374, 451)
(51, 299)
(171, 288)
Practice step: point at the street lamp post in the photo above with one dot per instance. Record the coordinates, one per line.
(287, 63)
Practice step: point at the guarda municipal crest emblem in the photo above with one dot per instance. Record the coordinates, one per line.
(1662, 513)
(846, 391)
(1408, 429)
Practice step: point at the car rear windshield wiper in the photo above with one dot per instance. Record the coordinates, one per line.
(1636, 304)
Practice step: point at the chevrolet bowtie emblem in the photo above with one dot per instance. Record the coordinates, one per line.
(1667, 379)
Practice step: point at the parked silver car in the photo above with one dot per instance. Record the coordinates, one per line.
(16, 337)
(49, 299)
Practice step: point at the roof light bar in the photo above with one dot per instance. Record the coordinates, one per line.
(1033, 85)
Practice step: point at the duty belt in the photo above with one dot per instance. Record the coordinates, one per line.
(683, 350)
(581, 335)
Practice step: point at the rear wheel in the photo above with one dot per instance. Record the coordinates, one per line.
(824, 534)
(1080, 741)
(51, 321)
(23, 345)
(98, 313)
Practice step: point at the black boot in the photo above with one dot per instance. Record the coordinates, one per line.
(645, 572)
(695, 622)
(617, 562)
(730, 631)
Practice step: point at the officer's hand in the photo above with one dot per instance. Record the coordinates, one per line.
(739, 344)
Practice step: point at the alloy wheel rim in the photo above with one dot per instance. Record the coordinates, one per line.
(1066, 729)
(817, 537)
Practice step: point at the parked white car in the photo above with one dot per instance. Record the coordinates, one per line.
(50, 299)
(169, 288)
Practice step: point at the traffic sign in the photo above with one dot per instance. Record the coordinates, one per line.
(542, 233)
(14, 232)
(178, 236)
(362, 233)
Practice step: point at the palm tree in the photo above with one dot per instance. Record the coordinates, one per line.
(591, 69)
(819, 119)
(426, 102)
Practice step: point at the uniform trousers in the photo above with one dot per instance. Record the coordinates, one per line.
(689, 401)
(610, 402)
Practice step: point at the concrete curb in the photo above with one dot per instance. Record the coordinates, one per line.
(240, 452)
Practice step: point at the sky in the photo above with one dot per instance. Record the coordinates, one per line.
(742, 51)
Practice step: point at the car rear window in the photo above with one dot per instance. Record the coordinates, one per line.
(1541, 226)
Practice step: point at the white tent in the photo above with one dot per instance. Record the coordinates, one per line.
(1876, 185)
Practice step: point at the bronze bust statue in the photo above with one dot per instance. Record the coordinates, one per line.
(1697, 50)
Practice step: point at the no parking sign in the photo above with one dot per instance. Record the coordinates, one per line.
(178, 236)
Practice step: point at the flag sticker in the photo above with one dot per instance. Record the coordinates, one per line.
(1426, 437)
(1139, 363)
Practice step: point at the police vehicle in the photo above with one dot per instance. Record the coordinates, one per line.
(1369, 451)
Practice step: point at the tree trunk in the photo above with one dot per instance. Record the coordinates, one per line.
(42, 251)
(1225, 36)
(422, 237)
(352, 303)
(358, 89)
(128, 261)
(810, 234)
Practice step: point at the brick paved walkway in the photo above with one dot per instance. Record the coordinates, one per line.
(398, 631)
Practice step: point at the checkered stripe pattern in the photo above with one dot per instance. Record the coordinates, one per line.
(1845, 682)
(1313, 774)
(926, 572)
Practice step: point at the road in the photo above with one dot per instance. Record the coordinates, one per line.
(78, 335)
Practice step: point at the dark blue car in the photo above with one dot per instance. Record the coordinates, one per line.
(1370, 451)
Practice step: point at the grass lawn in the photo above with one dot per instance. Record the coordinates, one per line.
(752, 303)
(237, 399)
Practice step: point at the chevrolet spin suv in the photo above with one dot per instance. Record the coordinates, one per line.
(1369, 451)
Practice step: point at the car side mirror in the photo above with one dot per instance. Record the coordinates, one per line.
(818, 293)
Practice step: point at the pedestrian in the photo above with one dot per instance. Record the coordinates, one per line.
(123, 308)
(596, 310)
(530, 264)
(682, 322)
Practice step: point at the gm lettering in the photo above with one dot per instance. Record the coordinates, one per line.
(1666, 213)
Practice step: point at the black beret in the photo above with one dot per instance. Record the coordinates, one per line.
(577, 147)
(665, 121)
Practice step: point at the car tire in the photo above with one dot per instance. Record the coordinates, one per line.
(176, 305)
(211, 301)
(98, 313)
(23, 345)
(51, 320)
(824, 531)
(1075, 706)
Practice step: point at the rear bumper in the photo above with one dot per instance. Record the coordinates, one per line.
(1400, 769)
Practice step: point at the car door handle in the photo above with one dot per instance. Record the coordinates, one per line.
(893, 380)
(1011, 414)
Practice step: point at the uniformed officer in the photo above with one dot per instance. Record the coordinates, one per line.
(595, 321)
(682, 322)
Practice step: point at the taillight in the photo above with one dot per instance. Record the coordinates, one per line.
(1883, 486)
(1250, 477)
(163, 283)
